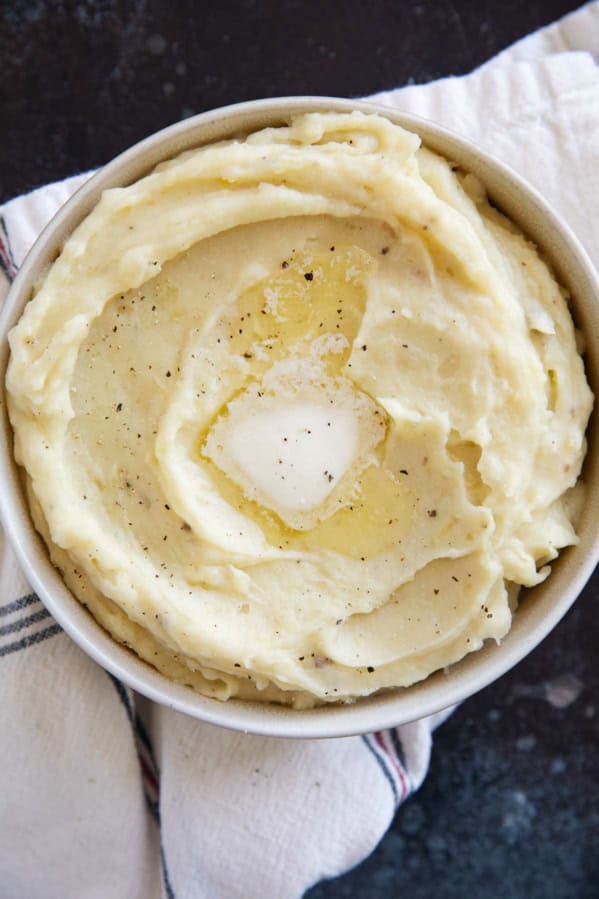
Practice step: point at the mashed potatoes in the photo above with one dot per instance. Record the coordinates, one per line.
(300, 413)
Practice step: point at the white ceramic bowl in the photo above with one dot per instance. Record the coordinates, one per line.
(540, 609)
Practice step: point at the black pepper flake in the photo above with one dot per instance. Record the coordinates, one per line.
(309, 276)
(119, 407)
(237, 665)
(167, 507)
(384, 251)
(436, 591)
(247, 355)
(432, 513)
(454, 578)
(339, 621)
(168, 374)
(301, 658)
(370, 669)
(364, 347)
(284, 264)
(403, 471)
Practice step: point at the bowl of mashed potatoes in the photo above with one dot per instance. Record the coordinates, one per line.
(297, 437)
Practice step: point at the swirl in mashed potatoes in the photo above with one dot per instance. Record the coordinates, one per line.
(300, 413)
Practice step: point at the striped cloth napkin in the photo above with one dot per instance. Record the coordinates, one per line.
(108, 796)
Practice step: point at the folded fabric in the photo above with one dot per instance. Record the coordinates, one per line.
(106, 794)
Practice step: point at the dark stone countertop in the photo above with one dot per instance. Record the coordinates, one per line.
(510, 806)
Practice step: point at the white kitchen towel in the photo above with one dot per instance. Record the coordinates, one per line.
(107, 796)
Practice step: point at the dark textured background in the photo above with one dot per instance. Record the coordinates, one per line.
(511, 804)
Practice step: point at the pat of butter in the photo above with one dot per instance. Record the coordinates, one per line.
(297, 446)
(294, 455)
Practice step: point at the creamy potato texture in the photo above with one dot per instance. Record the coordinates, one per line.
(300, 413)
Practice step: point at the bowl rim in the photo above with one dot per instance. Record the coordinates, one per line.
(387, 709)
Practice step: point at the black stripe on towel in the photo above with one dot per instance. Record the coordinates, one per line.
(30, 640)
(399, 750)
(170, 893)
(24, 622)
(122, 694)
(7, 260)
(139, 732)
(382, 765)
(17, 604)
